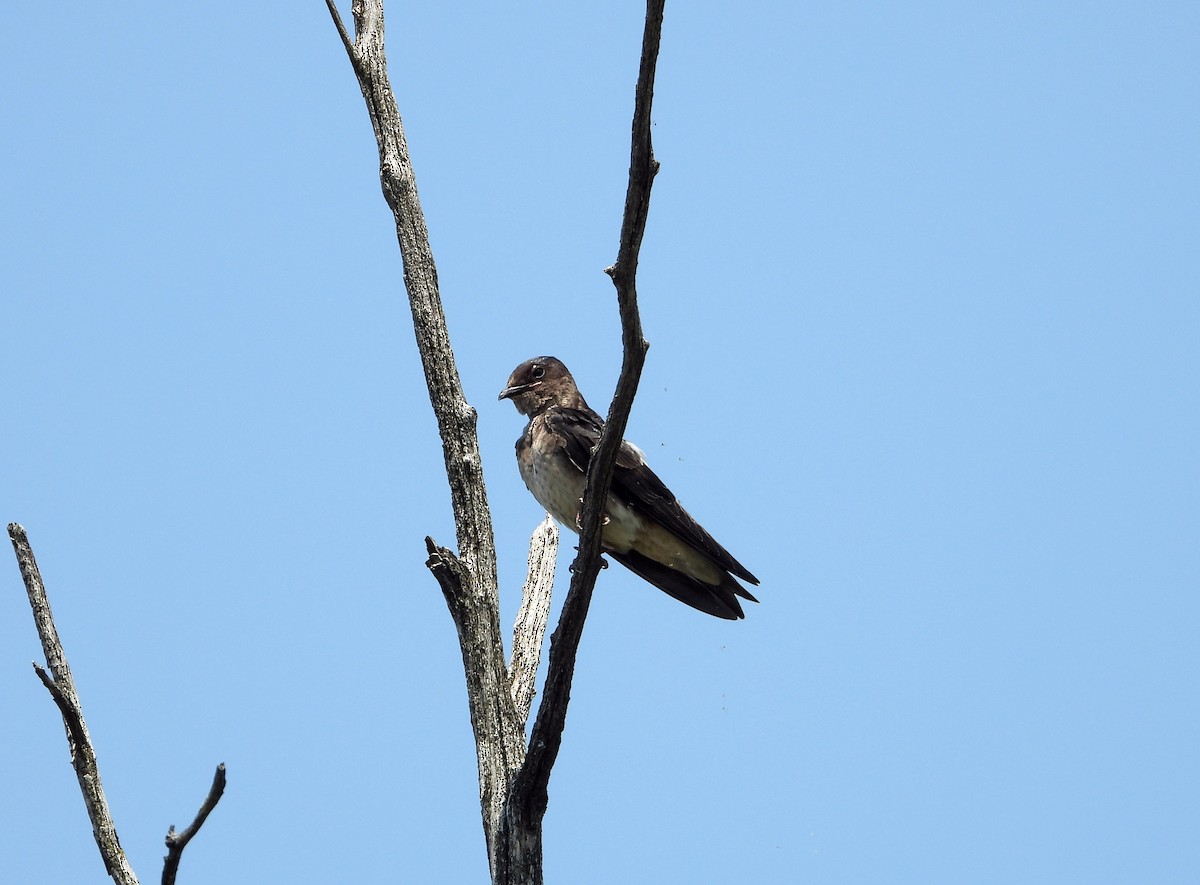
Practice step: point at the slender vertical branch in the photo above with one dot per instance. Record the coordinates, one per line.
(530, 628)
(467, 578)
(456, 418)
(61, 686)
(527, 803)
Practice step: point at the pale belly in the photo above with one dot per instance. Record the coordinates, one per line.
(559, 490)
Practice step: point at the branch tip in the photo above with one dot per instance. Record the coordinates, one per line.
(176, 842)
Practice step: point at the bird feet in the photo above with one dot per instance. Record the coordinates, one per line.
(603, 563)
(604, 518)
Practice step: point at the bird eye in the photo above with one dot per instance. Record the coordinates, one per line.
(538, 371)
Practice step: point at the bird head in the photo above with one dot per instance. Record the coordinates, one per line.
(539, 383)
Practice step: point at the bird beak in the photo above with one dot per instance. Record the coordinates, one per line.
(510, 392)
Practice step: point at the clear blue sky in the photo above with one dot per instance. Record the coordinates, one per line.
(921, 285)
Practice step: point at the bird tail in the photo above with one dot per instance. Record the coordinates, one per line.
(719, 600)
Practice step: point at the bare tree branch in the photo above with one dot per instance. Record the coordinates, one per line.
(75, 732)
(456, 418)
(468, 579)
(61, 686)
(176, 842)
(527, 801)
(530, 628)
(347, 41)
(499, 733)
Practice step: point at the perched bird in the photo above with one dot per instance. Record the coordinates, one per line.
(645, 529)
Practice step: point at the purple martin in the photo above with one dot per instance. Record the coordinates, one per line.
(644, 527)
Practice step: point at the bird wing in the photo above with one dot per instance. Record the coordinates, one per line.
(638, 487)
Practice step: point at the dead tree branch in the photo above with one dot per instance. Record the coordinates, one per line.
(456, 418)
(467, 579)
(499, 732)
(528, 799)
(176, 842)
(61, 686)
(530, 628)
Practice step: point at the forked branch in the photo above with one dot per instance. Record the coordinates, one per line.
(512, 783)
(61, 685)
(176, 842)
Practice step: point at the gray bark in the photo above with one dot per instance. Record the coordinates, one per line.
(61, 685)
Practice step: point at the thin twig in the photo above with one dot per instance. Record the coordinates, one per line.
(176, 842)
(61, 686)
(76, 734)
(527, 801)
(341, 29)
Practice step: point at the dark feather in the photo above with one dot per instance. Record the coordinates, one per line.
(720, 600)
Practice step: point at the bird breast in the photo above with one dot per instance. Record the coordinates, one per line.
(558, 486)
